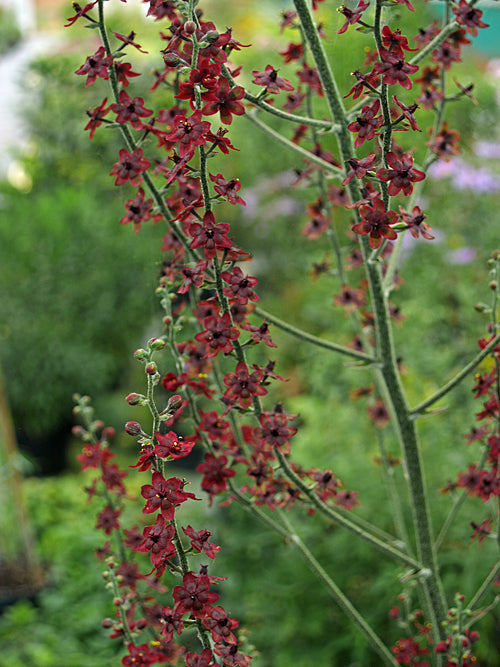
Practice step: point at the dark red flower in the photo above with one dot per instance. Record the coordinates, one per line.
(141, 656)
(367, 123)
(157, 539)
(359, 168)
(124, 72)
(138, 210)
(240, 286)
(446, 54)
(94, 456)
(309, 76)
(194, 596)
(218, 335)
(130, 166)
(172, 622)
(130, 110)
(96, 65)
(164, 495)
(401, 174)
(193, 276)
(242, 385)
(368, 81)
(189, 132)
(482, 530)
(270, 79)
(352, 16)
(227, 189)
(445, 143)
(226, 102)
(415, 222)
(469, 16)
(394, 69)
(260, 333)
(129, 39)
(275, 432)
(209, 235)
(202, 660)
(408, 113)
(170, 446)
(215, 474)
(350, 298)
(231, 656)
(96, 117)
(199, 541)
(80, 11)
(376, 222)
(220, 625)
(395, 42)
(292, 52)
(108, 519)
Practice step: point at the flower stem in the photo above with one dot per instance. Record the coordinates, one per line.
(420, 409)
(343, 602)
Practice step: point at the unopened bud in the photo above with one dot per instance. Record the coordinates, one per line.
(211, 36)
(133, 428)
(190, 27)
(140, 354)
(107, 623)
(151, 368)
(174, 403)
(170, 59)
(117, 602)
(493, 285)
(135, 399)
(481, 307)
(495, 254)
(141, 624)
(109, 433)
(156, 344)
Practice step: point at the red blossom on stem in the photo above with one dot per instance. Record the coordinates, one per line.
(401, 174)
(242, 385)
(376, 222)
(367, 123)
(130, 166)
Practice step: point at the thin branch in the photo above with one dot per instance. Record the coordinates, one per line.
(314, 340)
(457, 379)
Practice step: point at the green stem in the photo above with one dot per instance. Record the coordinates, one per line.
(341, 520)
(402, 419)
(343, 602)
(417, 411)
(307, 155)
(485, 587)
(314, 340)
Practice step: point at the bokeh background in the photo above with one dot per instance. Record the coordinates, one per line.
(77, 298)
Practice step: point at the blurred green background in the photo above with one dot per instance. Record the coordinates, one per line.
(76, 299)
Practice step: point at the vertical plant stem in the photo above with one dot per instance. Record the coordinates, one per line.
(403, 423)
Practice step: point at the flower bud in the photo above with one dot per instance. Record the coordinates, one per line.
(211, 36)
(141, 624)
(170, 59)
(117, 602)
(156, 344)
(107, 623)
(493, 285)
(174, 403)
(140, 354)
(133, 428)
(135, 399)
(109, 433)
(190, 27)
(151, 368)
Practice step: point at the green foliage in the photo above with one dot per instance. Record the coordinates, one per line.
(63, 627)
(74, 283)
(9, 30)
